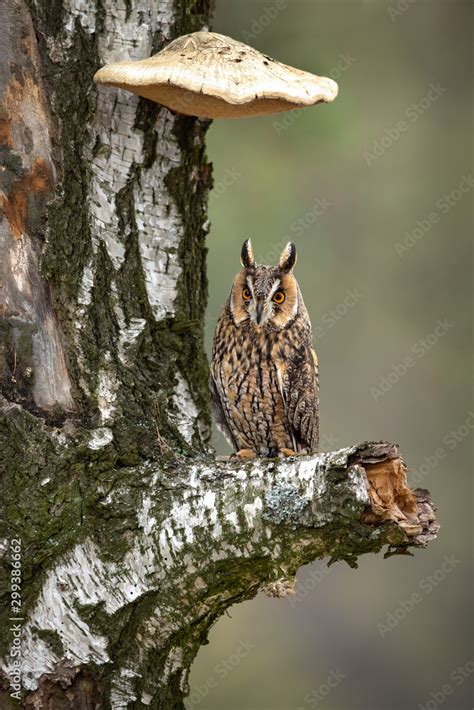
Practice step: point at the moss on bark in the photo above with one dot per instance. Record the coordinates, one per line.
(146, 387)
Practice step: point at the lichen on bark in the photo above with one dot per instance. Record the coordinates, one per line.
(186, 548)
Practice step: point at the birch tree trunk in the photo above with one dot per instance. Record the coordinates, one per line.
(130, 539)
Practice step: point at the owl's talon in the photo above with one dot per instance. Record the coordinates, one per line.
(283, 453)
(244, 454)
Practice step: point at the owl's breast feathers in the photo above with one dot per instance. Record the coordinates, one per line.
(264, 386)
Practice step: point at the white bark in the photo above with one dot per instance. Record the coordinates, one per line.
(116, 146)
(115, 150)
(275, 512)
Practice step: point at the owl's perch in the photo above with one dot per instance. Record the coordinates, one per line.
(202, 540)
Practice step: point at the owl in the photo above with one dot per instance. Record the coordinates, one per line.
(264, 371)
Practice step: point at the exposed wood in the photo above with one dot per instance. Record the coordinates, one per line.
(32, 361)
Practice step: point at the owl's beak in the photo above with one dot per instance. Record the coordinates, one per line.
(259, 313)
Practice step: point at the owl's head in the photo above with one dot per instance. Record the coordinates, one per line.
(265, 295)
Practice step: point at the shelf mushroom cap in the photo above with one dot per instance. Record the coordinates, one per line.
(213, 76)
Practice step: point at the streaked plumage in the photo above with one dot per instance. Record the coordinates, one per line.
(264, 372)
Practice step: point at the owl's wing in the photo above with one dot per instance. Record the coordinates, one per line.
(299, 384)
(219, 413)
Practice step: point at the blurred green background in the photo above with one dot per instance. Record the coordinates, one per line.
(381, 212)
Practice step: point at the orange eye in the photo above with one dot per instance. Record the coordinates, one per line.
(246, 295)
(278, 296)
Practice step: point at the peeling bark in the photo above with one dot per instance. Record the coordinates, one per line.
(134, 540)
(32, 360)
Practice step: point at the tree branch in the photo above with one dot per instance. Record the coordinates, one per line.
(211, 536)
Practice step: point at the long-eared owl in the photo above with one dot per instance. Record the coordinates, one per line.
(264, 372)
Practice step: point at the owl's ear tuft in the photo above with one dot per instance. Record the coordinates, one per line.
(246, 255)
(287, 258)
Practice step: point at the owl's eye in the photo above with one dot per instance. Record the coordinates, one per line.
(246, 295)
(278, 297)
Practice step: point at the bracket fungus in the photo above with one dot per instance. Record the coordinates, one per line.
(210, 75)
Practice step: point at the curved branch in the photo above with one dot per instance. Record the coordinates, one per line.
(211, 535)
